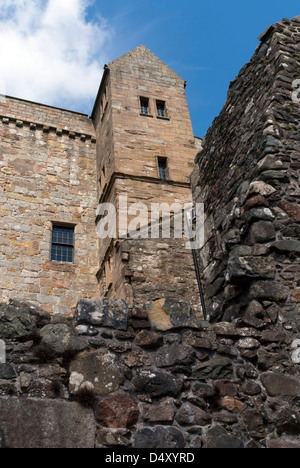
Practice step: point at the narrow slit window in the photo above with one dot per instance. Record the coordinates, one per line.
(162, 168)
(62, 244)
(161, 108)
(144, 106)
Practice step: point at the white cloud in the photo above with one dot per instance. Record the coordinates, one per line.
(50, 52)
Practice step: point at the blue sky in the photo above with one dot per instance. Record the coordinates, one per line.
(53, 51)
(205, 42)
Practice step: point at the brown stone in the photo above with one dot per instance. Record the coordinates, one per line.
(148, 339)
(232, 404)
(255, 201)
(292, 209)
(119, 410)
(226, 388)
(137, 358)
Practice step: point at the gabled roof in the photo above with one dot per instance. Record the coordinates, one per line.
(140, 57)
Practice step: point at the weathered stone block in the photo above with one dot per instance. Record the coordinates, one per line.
(156, 384)
(174, 354)
(262, 231)
(292, 209)
(98, 371)
(286, 246)
(117, 411)
(217, 368)
(7, 372)
(218, 437)
(190, 415)
(148, 339)
(159, 437)
(165, 314)
(61, 338)
(102, 312)
(28, 423)
(268, 290)
(243, 268)
(162, 412)
(281, 384)
(16, 323)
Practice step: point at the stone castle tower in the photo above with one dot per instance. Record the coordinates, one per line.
(145, 151)
(57, 166)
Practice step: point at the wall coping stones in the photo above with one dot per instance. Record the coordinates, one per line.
(33, 126)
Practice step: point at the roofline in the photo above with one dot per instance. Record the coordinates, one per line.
(44, 105)
(105, 73)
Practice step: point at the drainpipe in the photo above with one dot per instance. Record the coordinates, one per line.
(190, 215)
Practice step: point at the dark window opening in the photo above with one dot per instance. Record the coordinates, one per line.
(145, 106)
(162, 168)
(62, 244)
(161, 108)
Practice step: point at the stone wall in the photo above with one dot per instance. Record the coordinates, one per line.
(159, 268)
(47, 175)
(247, 175)
(146, 377)
(129, 144)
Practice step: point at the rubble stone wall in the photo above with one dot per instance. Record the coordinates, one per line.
(247, 176)
(146, 377)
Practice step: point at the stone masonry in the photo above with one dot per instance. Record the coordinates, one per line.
(57, 165)
(129, 145)
(247, 175)
(47, 175)
(156, 378)
(150, 373)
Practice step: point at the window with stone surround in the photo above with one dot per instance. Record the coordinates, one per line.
(144, 106)
(62, 247)
(161, 109)
(162, 168)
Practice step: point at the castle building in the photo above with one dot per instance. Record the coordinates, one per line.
(57, 167)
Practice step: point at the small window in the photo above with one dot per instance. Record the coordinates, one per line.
(144, 106)
(62, 244)
(161, 108)
(162, 168)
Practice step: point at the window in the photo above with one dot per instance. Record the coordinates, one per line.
(144, 106)
(162, 168)
(161, 108)
(62, 244)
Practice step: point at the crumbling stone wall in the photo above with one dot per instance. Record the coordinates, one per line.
(146, 377)
(247, 175)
